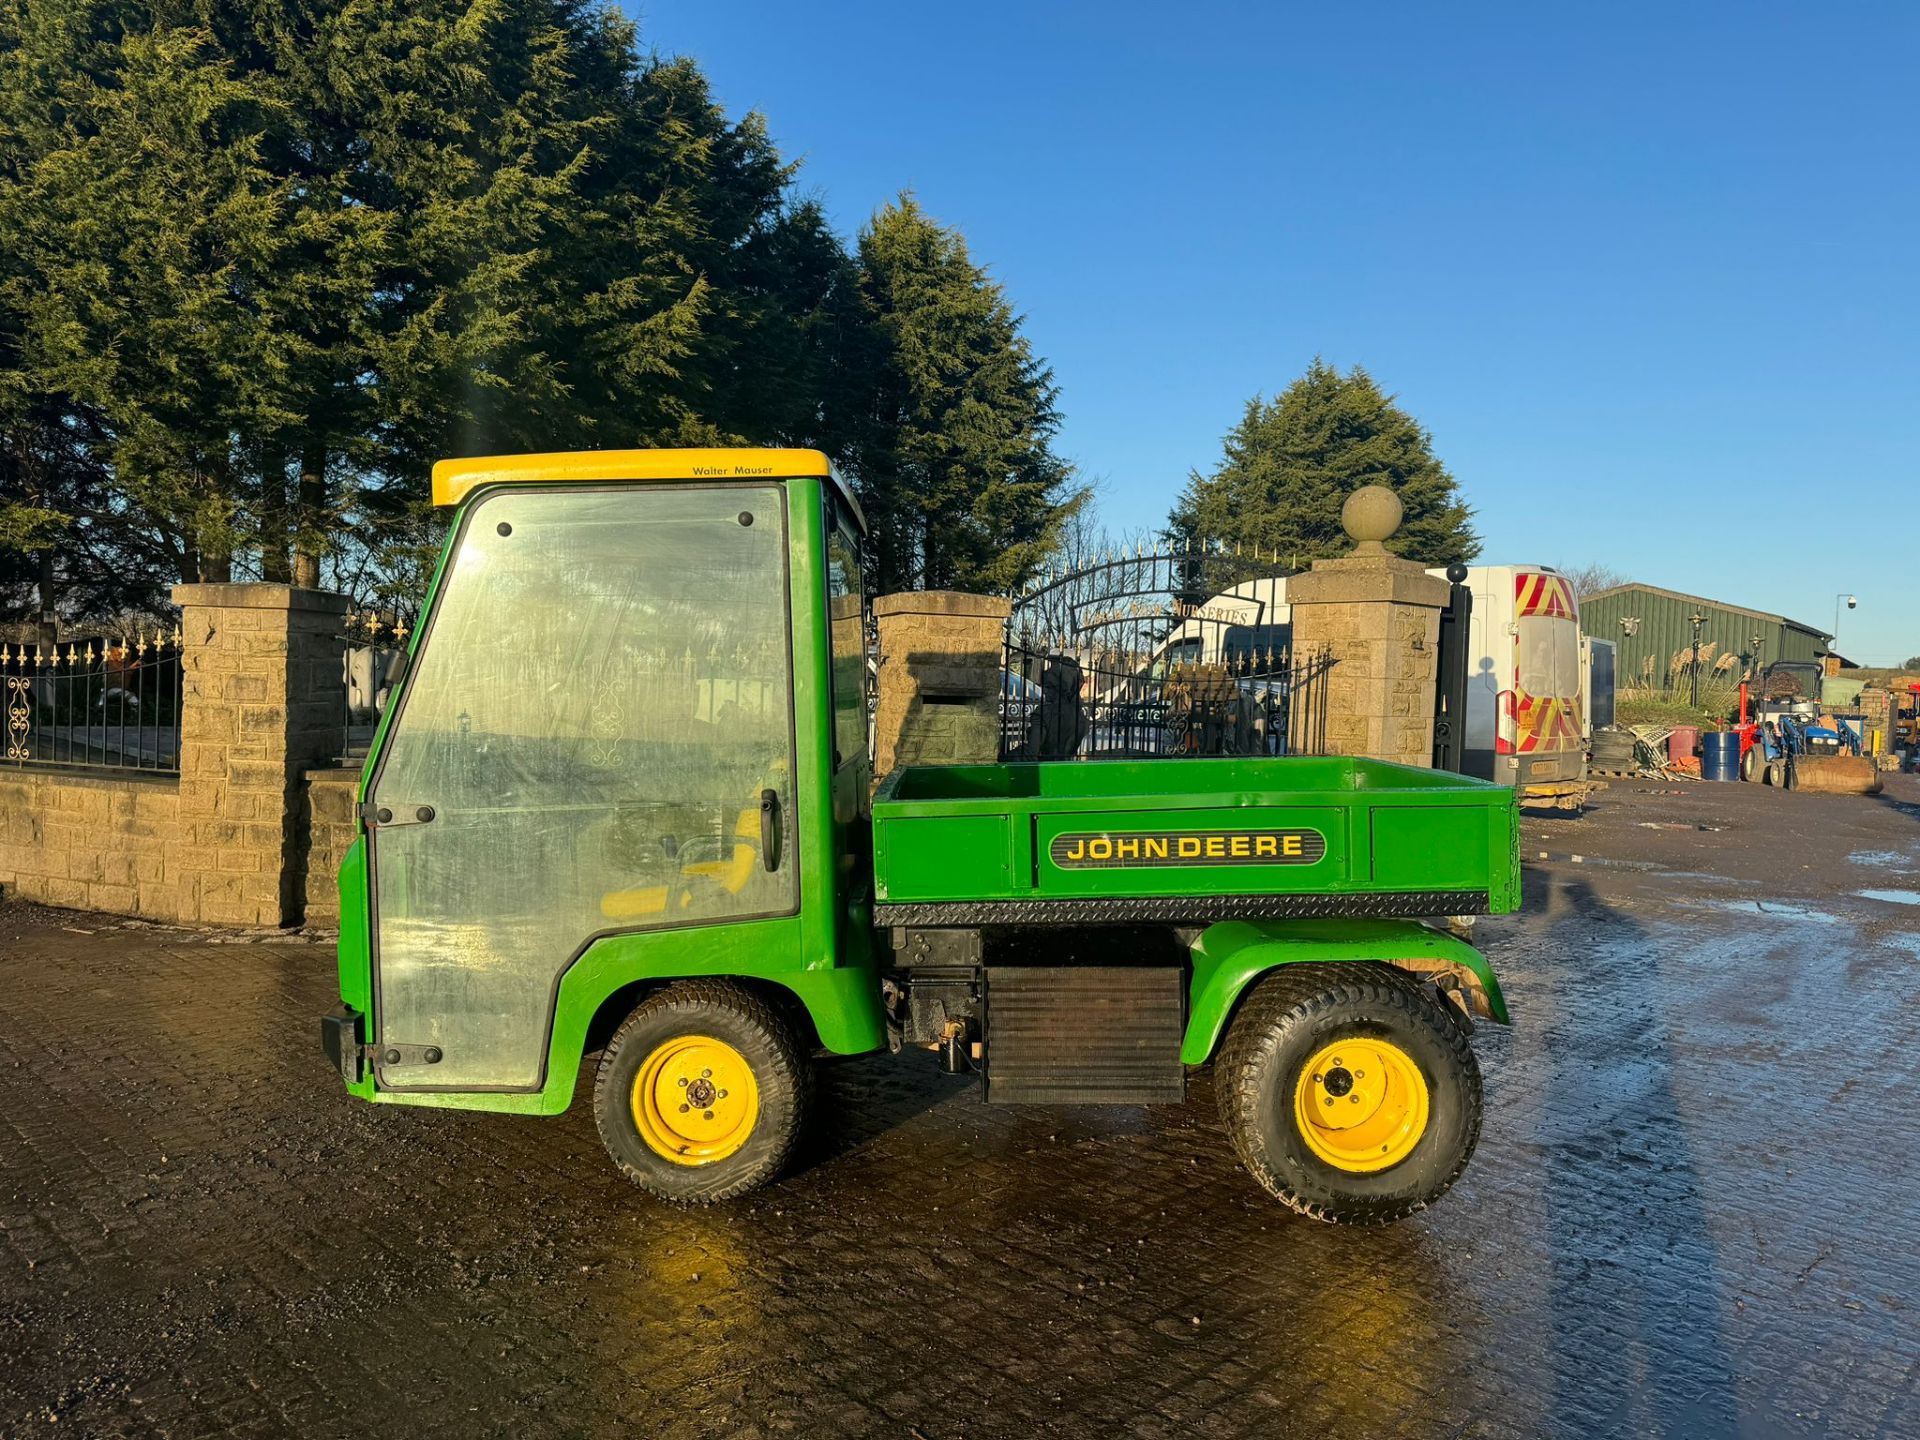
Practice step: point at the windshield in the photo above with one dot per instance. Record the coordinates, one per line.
(1179, 652)
(1259, 648)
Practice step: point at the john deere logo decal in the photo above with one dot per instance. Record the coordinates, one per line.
(1102, 851)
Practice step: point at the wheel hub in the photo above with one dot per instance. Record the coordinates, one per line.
(1361, 1104)
(695, 1100)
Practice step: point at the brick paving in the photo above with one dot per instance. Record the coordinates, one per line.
(1691, 1212)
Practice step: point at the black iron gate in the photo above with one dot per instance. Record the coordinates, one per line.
(1450, 693)
(1166, 652)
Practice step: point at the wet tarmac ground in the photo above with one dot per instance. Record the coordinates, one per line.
(1692, 1212)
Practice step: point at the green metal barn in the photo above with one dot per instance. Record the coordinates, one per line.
(1649, 623)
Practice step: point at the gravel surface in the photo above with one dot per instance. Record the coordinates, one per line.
(1691, 1211)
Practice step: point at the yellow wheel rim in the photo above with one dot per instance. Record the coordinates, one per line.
(1361, 1104)
(695, 1100)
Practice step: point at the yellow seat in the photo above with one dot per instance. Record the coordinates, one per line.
(730, 874)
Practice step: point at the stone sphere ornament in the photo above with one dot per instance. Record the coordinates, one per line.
(1371, 514)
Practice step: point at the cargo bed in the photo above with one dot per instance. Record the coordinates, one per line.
(1189, 841)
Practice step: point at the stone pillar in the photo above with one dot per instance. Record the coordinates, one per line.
(262, 703)
(1377, 617)
(939, 681)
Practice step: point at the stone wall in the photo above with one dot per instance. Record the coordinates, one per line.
(227, 841)
(331, 828)
(91, 842)
(938, 687)
(263, 702)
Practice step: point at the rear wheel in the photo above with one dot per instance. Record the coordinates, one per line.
(1752, 764)
(701, 1092)
(1350, 1093)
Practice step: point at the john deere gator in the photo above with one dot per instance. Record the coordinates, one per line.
(621, 806)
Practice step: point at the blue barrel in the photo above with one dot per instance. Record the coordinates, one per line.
(1720, 755)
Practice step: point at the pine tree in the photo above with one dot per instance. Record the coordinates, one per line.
(1291, 463)
(69, 537)
(291, 251)
(262, 261)
(953, 438)
(142, 213)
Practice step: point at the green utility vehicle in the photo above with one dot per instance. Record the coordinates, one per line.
(621, 805)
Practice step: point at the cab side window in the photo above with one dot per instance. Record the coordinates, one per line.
(847, 623)
(597, 736)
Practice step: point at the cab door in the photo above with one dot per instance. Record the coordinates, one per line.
(597, 736)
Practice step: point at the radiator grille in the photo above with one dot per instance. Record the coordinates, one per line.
(1079, 1035)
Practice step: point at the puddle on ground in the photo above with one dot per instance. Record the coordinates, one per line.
(1894, 859)
(1892, 897)
(1775, 909)
(1652, 867)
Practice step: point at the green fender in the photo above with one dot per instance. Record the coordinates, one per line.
(1233, 953)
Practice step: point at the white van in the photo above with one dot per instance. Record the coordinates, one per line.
(1525, 719)
(1249, 620)
(1526, 681)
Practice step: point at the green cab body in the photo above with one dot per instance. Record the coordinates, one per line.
(629, 747)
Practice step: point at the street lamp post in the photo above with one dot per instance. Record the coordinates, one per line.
(1851, 602)
(1696, 620)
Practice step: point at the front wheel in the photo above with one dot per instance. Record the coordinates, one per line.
(1349, 1092)
(701, 1093)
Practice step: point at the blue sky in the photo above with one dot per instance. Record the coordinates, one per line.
(1649, 273)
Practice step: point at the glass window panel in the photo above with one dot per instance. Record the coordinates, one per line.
(602, 695)
(1549, 656)
(846, 616)
(1177, 653)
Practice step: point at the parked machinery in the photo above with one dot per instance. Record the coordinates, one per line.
(1786, 742)
(646, 828)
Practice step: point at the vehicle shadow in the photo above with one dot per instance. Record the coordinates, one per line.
(860, 1098)
(1908, 808)
(1551, 815)
(1634, 1271)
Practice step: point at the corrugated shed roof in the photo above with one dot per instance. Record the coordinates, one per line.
(1704, 600)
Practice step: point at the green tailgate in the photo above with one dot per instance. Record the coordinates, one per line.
(1315, 835)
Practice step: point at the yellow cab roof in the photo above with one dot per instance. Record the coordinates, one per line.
(454, 480)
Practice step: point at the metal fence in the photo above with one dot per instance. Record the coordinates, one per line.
(106, 703)
(1178, 650)
(375, 659)
(1057, 705)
